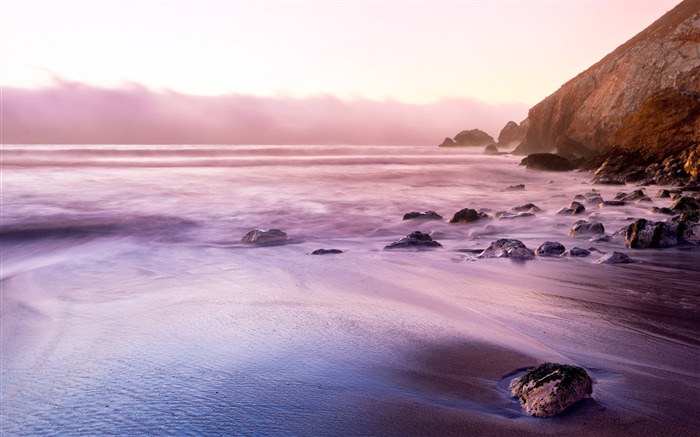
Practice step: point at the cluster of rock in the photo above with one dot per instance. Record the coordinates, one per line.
(551, 388)
(415, 239)
(469, 138)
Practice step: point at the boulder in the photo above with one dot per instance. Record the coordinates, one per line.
(551, 388)
(268, 237)
(663, 210)
(584, 227)
(414, 239)
(685, 204)
(600, 238)
(505, 248)
(614, 258)
(573, 209)
(427, 215)
(527, 207)
(577, 251)
(550, 248)
(491, 149)
(502, 215)
(473, 137)
(644, 234)
(547, 162)
(467, 215)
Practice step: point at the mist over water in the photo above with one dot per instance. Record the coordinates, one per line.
(130, 306)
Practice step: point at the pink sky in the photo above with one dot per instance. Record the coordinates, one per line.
(309, 71)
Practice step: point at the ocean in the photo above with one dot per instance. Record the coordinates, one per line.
(131, 307)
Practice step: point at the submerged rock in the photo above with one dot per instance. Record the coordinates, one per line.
(528, 207)
(414, 239)
(269, 237)
(611, 203)
(573, 209)
(614, 258)
(427, 215)
(600, 238)
(664, 210)
(326, 251)
(547, 162)
(517, 187)
(550, 248)
(509, 215)
(551, 388)
(467, 215)
(584, 227)
(577, 251)
(648, 234)
(505, 248)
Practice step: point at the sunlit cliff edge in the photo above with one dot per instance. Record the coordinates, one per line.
(641, 101)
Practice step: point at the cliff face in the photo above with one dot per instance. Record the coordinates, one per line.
(642, 98)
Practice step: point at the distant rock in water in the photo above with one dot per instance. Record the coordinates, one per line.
(469, 138)
(527, 207)
(641, 103)
(547, 162)
(510, 134)
(550, 248)
(584, 227)
(518, 187)
(614, 258)
(269, 237)
(551, 388)
(427, 215)
(573, 209)
(505, 248)
(644, 234)
(577, 251)
(467, 215)
(414, 239)
(491, 149)
(326, 251)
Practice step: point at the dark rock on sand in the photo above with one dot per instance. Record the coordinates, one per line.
(414, 239)
(427, 215)
(573, 209)
(517, 187)
(269, 237)
(491, 149)
(644, 234)
(528, 207)
(585, 227)
(550, 248)
(505, 248)
(551, 388)
(547, 162)
(326, 251)
(467, 215)
(614, 258)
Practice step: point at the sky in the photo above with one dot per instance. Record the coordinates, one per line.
(432, 68)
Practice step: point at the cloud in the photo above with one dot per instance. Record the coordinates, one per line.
(74, 113)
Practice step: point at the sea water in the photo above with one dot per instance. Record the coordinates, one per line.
(130, 305)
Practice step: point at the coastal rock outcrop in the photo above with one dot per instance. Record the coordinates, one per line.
(640, 102)
(468, 138)
(268, 237)
(648, 234)
(551, 388)
(510, 134)
(507, 248)
(427, 215)
(547, 162)
(491, 149)
(414, 239)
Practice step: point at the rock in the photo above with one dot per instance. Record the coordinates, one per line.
(577, 251)
(644, 234)
(551, 388)
(614, 258)
(528, 207)
(579, 197)
(473, 137)
(645, 199)
(662, 194)
(547, 162)
(584, 227)
(491, 149)
(634, 195)
(594, 200)
(326, 251)
(511, 133)
(611, 203)
(664, 210)
(448, 142)
(573, 209)
(638, 100)
(414, 239)
(600, 238)
(505, 248)
(427, 215)
(686, 203)
(550, 248)
(467, 215)
(269, 237)
(509, 215)
(608, 181)
(518, 187)
(690, 216)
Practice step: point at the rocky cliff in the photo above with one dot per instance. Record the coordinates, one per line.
(642, 100)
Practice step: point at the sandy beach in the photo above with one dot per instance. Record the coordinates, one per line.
(145, 314)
